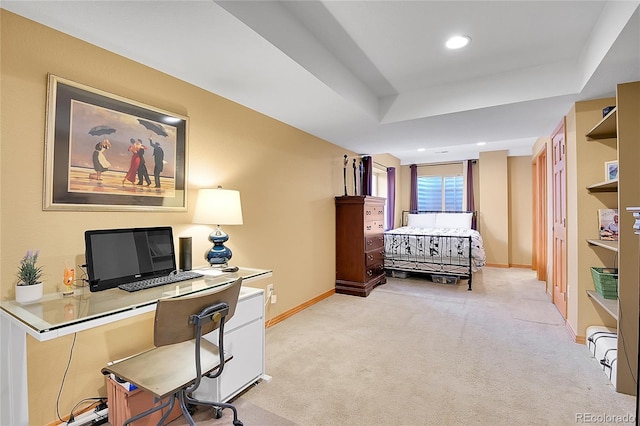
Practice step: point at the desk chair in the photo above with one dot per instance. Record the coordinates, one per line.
(175, 367)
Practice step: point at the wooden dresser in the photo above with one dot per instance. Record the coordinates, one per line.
(359, 244)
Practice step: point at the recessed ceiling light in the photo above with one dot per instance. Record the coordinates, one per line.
(421, 149)
(481, 143)
(456, 42)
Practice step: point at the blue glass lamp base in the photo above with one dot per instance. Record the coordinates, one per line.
(219, 255)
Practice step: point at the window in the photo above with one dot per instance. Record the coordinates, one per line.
(440, 192)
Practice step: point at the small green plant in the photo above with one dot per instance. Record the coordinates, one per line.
(28, 272)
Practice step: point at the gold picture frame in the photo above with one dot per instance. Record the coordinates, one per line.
(108, 153)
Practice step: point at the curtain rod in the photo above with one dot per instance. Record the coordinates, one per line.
(443, 163)
(428, 164)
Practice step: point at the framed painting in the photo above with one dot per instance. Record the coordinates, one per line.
(106, 152)
(610, 171)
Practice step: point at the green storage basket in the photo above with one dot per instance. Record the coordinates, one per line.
(606, 281)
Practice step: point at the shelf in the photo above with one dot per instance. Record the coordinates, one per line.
(609, 245)
(609, 305)
(610, 186)
(606, 128)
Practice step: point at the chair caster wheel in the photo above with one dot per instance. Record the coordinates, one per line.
(218, 413)
(237, 423)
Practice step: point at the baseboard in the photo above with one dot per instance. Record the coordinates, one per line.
(576, 338)
(509, 265)
(291, 312)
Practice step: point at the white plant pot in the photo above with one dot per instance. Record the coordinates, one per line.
(28, 293)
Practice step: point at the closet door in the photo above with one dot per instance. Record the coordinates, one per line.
(540, 227)
(559, 220)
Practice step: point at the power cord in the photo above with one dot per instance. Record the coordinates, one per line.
(64, 376)
(84, 281)
(102, 404)
(268, 299)
(624, 345)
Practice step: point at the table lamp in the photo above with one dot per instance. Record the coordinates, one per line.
(218, 207)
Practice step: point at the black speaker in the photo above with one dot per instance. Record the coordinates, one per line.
(185, 253)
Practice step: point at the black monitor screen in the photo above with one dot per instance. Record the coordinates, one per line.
(118, 256)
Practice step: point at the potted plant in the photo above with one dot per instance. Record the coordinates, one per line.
(29, 286)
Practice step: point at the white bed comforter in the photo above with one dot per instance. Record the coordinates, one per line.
(434, 245)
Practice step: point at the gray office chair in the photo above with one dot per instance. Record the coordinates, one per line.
(175, 367)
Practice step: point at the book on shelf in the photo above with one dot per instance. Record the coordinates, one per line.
(608, 224)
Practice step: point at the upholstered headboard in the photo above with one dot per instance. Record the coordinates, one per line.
(439, 219)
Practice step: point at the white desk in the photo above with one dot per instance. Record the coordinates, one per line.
(56, 316)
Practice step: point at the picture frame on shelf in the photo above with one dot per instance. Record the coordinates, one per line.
(105, 152)
(608, 224)
(610, 171)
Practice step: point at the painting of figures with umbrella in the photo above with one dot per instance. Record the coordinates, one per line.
(105, 152)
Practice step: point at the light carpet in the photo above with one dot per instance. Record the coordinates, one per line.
(418, 353)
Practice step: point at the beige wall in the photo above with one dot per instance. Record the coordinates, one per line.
(494, 209)
(520, 211)
(287, 180)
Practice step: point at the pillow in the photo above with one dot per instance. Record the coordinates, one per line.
(424, 220)
(454, 220)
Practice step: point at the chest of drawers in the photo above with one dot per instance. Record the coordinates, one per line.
(359, 244)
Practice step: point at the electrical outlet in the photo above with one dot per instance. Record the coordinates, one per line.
(273, 299)
(269, 290)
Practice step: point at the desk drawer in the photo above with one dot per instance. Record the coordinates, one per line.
(247, 310)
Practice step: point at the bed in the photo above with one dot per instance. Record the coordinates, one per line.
(437, 243)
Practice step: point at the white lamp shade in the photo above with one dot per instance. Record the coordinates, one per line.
(218, 207)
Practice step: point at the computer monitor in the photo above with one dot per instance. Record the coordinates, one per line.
(118, 256)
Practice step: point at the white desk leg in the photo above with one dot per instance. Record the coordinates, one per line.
(14, 403)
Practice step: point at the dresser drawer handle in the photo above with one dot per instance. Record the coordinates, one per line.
(370, 257)
(369, 272)
(369, 242)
